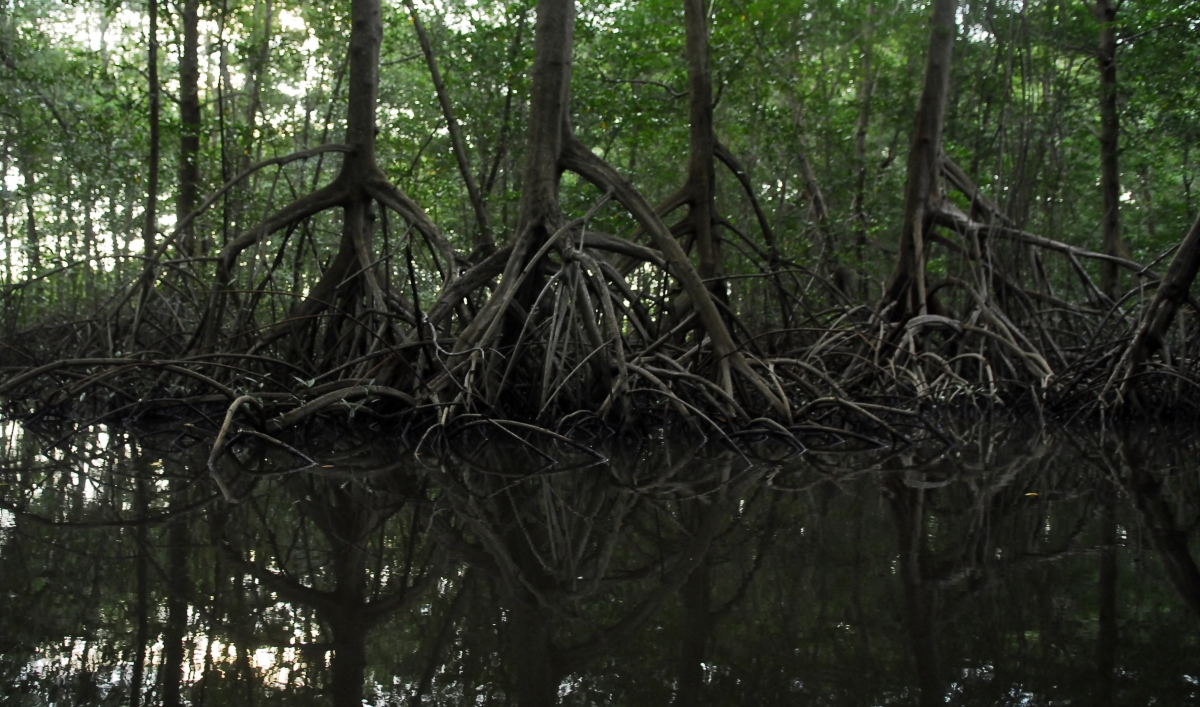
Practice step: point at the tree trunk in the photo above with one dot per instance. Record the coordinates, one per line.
(4, 223)
(549, 130)
(33, 259)
(1110, 128)
(701, 184)
(349, 190)
(548, 114)
(906, 290)
(366, 34)
(1172, 293)
(150, 222)
(189, 127)
(256, 72)
(866, 90)
(90, 256)
(34, 248)
(149, 229)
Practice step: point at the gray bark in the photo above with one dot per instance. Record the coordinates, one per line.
(906, 290)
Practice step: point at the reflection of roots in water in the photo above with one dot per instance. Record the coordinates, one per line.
(583, 559)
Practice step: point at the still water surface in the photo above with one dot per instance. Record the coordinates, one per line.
(1015, 567)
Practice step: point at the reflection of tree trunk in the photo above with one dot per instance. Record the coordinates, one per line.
(243, 668)
(906, 290)
(920, 594)
(856, 606)
(433, 660)
(87, 690)
(347, 529)
(215, 611)
(696, 627)
(142, 579)
(352, 607)
(532, 659)
(175, 630)
(345, 610)
(1170, 541)
(1107, 639)
(509, 546)
(349, 664)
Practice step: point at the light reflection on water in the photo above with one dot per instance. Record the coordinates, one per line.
(1013, 568)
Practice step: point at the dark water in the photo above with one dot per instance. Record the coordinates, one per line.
(1017, 567)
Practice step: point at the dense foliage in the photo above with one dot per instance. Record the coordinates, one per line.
(1022, 118)
(189, 196)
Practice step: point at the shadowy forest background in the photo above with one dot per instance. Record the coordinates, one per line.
(747, 214)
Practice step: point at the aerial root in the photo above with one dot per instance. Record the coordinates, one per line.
(586, 329)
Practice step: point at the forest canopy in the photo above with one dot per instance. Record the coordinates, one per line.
(740, 213)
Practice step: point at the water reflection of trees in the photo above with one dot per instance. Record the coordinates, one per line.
(582, 559)
(346, 543)
(502, 573)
